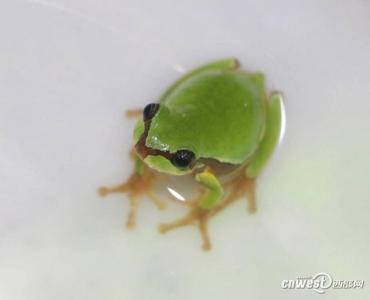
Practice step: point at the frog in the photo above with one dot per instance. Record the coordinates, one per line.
(214, 122)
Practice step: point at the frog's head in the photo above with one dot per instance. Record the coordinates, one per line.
(180, 162)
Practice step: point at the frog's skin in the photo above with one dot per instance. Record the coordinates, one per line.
(214, 120)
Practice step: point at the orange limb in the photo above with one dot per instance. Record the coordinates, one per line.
(133, 113)
(136, 186)
(196, 216)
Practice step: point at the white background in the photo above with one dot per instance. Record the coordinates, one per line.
(69, 69)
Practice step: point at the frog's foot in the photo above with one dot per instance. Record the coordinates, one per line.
(196, 216)
(136, 186)
(240, 187)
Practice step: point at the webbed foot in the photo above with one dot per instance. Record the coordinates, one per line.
(136, 186)
(196, 216)
(238, 187)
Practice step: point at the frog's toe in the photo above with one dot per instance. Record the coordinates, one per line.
(156, 200)
(121, 188)
(131, 218)
(249, 187)
(165, 227)
(133, 113)
(203, 228)
(103, 191)
(137, 186)
(196, 216)
(241, 186)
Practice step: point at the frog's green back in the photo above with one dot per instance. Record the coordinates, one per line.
(217, 114)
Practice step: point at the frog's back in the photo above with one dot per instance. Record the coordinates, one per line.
(216, 114)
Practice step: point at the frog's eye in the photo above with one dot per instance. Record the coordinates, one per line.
(150, 110)
(182, 158)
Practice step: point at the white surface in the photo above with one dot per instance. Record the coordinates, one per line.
(69, 69)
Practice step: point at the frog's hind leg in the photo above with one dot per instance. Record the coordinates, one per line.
(211, 202)
(139, 184)
(245, 182)
(273, 133)
(200, 209)
(196, 217)
(239, 187)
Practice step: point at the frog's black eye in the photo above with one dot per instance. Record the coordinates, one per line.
(182, 158)
(150, 110)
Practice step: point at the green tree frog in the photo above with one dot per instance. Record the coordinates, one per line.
(214, 121)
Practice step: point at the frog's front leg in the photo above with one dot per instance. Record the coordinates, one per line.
(140, 183)
(200, 209)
